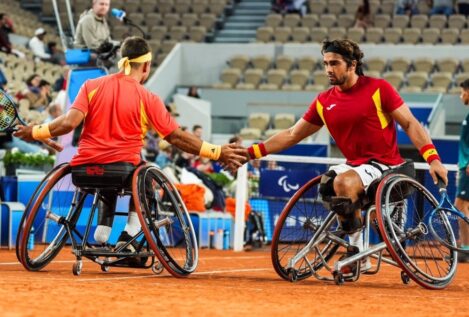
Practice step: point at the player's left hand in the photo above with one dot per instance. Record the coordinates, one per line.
(24, 132)
(232, 157)
(437, 168)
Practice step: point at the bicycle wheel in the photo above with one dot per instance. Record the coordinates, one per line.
(298, 222)
(403, 207)
(165, 221)
(42, 233)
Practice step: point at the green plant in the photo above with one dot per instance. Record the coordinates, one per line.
(17, 158)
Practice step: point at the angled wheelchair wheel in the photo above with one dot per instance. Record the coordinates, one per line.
(42, 233)
(403, 208)
(165, 221)
(299, 221)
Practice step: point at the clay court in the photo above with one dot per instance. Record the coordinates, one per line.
(225, 284)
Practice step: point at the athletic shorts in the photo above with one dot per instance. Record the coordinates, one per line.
(367, 172)
(463, 185)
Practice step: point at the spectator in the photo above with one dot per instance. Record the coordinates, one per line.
(363, 15)
(193, 92)
(92, 28)
(463, 7)
(38, 47)
(5, 44)
(32, 84)
(197, 131)
(442, 7)
(57, 56)
(164, 157)
(55, 111)
(407, 7)
(39, 101)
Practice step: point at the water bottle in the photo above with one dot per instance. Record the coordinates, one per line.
(226, 240)
(31, 239)
(211, 239)
(219, 240)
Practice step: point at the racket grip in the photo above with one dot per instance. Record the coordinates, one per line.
(53, 145)
(441, 184)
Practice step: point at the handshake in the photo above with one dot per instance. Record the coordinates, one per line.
(233, 156)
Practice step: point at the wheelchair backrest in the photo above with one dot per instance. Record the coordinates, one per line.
(114, 176)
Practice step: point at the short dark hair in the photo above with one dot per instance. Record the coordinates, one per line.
(349, 50)
(465, 84)
(196, 126)
(133, 47)
(2, 15)
(43, 83)
(30, 79)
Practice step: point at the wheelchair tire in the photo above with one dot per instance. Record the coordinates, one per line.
(40, 238)
(403, 208)
(295, 227)
(165, 221)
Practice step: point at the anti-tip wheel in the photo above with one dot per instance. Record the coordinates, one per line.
(105, 268)
(292, 275)
(338, 278)
(405, 278)
(77, 267)
(157, 267)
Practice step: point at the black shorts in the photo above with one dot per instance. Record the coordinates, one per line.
(463, 185)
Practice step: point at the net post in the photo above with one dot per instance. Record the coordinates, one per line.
(241, 198)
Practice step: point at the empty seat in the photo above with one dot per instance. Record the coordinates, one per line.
(419, 21)
(197, 33)
(231, 76)
(411, 35)
(276, 76)
(167, 46)
(165, 6)
(423, 64)
(320, 78)
(300, 34)
(155, 45)
(147, 6)
(273, 20)
(250, 134)
(239, 61)
(387, 7)
(374, 6)
(400, 21)
(442, 79)
(318, 34)
(159, 32)
(182, 6)
(459, 78)
(423, 7)
(449, 36)
(284, 120)
(282, 34)
(337, 33)
(178, 33)
(268, 86)
(307, 63)
(299, 77)
(374, 35)
(314, 87)
(394, 78)
(351, 6)
(253, 76)
(433, 89)
(447, 64)
(430, 36)
(310, 20)
(171, 19)
(208, 21)
(317, 6)
(264, 34)
(199, 6)
(355, 34)
(457, 21)
(132, 7)
(465, 64)
(217, 6)
(377, 64)
(284, 62)
(454, 90)
(464, 36)
(335, 6)
(327, 20)
(152, 19)
(261, 62)
(417, 79)
(259, 120)
(411, 89)
(392, 35)
(245, 86)
(371, 73)
(222, 86)
(346, 20)
(189, 19)
(437, 21)
(400, 64)
(291, 87)
(291, 20)
(270, 132)
(136, 17)
(382, 20)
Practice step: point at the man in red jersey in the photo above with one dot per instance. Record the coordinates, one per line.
(360, 113)
(118, 111)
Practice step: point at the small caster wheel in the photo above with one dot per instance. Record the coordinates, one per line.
(77, 267)
(105, 268)
(157, 267)
(405, 278)
(339, 278)
(292, 275)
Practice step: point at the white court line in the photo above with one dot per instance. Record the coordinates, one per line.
(17, 263)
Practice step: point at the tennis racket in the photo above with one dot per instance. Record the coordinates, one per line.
(445, 221)
(9, 118)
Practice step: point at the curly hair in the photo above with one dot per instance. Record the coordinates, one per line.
(349, 50)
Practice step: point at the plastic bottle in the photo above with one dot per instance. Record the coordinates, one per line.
(211, 239)
(31, 239)
(226, 240)
(219, 240)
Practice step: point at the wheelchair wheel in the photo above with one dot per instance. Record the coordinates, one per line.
(403, 207)
(165, 220)
(298, 222)
(42, 233)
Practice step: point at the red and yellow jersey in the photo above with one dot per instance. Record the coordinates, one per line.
(118, 113)
(359, 120)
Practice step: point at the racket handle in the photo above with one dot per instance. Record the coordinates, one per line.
(53, 145)
(441, 184)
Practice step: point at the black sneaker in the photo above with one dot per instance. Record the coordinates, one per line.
(349, 270)
(131, 248)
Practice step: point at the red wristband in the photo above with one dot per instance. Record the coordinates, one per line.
(257, 151)
(429, 153)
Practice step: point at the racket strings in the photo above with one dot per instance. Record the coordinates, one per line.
(7, 112)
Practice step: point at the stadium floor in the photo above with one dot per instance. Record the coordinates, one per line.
(225, 284)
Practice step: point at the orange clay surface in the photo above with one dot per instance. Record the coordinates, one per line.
(225, 284)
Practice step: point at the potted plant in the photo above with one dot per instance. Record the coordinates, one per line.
(37, 161)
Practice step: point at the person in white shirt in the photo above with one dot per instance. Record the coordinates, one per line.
(38, 47)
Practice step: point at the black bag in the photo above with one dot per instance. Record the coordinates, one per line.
(254, 232)
(103, 176)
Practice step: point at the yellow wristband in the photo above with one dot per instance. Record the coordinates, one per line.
(41, 132)
(210, 151)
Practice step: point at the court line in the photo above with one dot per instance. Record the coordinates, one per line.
(17, 263)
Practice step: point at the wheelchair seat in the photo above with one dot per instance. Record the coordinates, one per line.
(113, 176)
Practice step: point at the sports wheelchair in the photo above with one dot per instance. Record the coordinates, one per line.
(308, 237)
(55, 217)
